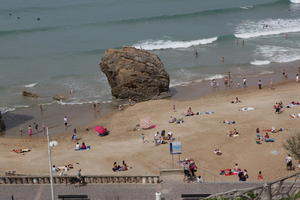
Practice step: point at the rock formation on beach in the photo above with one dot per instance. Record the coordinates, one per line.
(29, 94)
(2, 124)
(135, 74)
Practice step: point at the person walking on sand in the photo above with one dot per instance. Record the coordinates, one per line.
(244, 82)
(66, 122)
(297, 78)
(259, 84)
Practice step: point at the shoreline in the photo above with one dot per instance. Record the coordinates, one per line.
(82, 114)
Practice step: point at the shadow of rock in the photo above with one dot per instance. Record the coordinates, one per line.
(12, 120)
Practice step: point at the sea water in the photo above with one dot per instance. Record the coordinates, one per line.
(54, 47)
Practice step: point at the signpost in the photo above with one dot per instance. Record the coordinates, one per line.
(175, 148)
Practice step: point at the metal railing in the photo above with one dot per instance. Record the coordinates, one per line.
(87, 179)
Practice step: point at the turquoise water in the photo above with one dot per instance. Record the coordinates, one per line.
(61, 51)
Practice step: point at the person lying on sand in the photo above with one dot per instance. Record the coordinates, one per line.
(218, 152)
(172, 119)
(236, 100)
(233, 133)
(229, 122)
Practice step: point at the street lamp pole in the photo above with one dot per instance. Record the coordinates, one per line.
(50, 164)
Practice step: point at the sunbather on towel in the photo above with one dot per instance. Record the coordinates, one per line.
(172, 119)
(229, 122)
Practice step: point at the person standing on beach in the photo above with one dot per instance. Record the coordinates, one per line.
(44, 129)
(244, 82)
(41, 108)
(29, 130)
(297, 78)
(66, 122)
(259, 84)
(36, 127)
(21, 131)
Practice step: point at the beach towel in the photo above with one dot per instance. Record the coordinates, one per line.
(205, 113)
(21, 150)
(269, 140)
(228, 172)
(87, 148)
(246, 109)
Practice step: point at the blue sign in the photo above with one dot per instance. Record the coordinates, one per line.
(175, 148)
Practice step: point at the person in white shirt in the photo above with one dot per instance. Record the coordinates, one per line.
(77, 147)
(66, 121)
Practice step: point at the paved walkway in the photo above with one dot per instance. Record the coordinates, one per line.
(170, 191)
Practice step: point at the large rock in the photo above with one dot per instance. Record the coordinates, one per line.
(2, 124)
(135, 74)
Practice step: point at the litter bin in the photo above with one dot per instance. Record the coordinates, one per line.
(157, 195)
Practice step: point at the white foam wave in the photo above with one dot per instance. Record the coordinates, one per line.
(169, 44)
(183, 83)
(260, 62)
(30, 85)
(246, 7)
(250, 29)
(278, 54)
(216, 76)
(295, 1)
(265, 72)
(6, 109)
(78, 102)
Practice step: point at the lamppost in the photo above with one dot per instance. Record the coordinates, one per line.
(50, 145)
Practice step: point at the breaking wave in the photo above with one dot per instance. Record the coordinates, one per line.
(260, 62)
(169, 44)
(250, 29)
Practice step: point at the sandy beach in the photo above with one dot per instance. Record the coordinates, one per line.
(199, 134)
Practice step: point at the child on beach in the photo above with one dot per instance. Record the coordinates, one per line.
(29, 130)
(260, 177)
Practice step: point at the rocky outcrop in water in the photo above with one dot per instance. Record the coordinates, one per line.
(29, 94)
(135, 74)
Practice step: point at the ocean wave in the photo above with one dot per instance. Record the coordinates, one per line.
(168, 44)
(250, 29)
(278, 54)
(260, 62)
(130, 20)
(30, 85)
(247, 7)
(295, 1)
(6, 109)
(216, 76)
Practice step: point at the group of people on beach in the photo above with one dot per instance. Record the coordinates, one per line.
(189, 168)
(83, 146)
(163, 137)
(33, 129)
(123, 167)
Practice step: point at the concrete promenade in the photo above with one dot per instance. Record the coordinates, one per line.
(170, 190)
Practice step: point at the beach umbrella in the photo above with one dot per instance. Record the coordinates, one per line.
(100, 129)
(146, 123)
